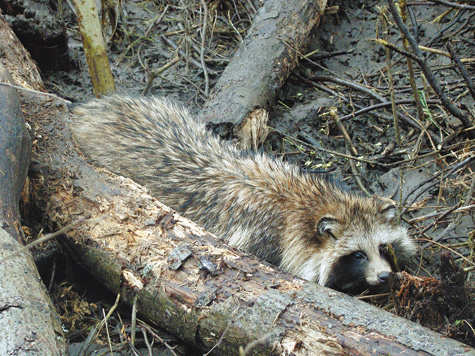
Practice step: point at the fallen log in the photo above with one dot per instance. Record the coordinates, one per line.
(15, 149)
(239, 101)
(191, 284)
(28, 320)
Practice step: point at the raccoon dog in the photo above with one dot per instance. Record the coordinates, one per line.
(301, 223)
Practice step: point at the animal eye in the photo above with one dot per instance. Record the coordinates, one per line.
(359, 255)
(383, 249)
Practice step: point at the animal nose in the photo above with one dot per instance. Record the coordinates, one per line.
(383, 277)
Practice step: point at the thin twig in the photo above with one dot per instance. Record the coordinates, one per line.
(156, 72)
(109, 342)
(320, 56)
(448, 248)
(437, 220)
(457, 220)
(383, 105)
(454, 168)
(395, 48)
(133, 326)
(454, 5)
(154, 23)
(368, 91)
(352, 149)
(390, 79)
(229, 21)
(147, 343)
(410, 67)
(442, 214)
(97, 329)
(156, 336)
(428, 72)
(343, 131)
(462, 69)
(35, 92)
(203, 46)
(223, 334)
(188, 59)
(358, 87)
(47, 237)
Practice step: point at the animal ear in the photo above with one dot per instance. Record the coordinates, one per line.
(327, 225)
(389, 212)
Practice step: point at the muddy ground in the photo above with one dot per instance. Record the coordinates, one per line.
(429, 172)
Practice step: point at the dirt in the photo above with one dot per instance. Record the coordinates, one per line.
(434, 164)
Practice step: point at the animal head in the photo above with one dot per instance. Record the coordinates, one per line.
(349, 249)
(358, 248)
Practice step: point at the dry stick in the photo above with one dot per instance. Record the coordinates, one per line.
(462, 69)
(428, 72)
(383, 105)
(220, 340)
(457, 220)
(453, 4)
(414, 123)
(352, 148)
(109, 342)
(35, 92)
(343, 131)
(410, 67)
(390, 80)
(156, 72)
(134, 322)
(361, 88)
(147, 343)
(360, 159)
(438, 51)
(346, 100)
(396, 49)
(251, 5)
(203, 46)
(327, 78)
(455, 167)
(320, 56)
(156, 336)
(192, 61)
(448, 248)
(415, 27)
(229, 21)
(364, 110)
(438, 219)
(357, 175)
(154, 24)
(442, 214)
(334, 153)
(46, 238)
(459, 29)
(97, 329)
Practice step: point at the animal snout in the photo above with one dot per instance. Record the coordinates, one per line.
(383, 277)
